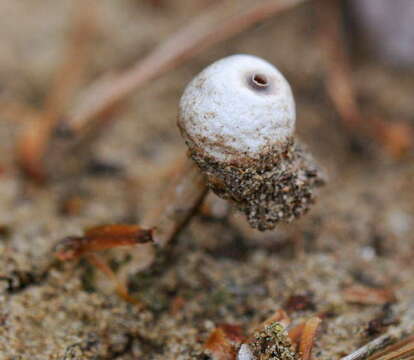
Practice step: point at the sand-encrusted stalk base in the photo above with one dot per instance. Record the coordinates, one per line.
(277, 187)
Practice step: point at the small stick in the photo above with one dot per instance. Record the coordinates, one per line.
(34, 141)
(377, 344)
(395, 137)
(106, 94)
(404, 345)
(182, 199)
(369, 348)
(406, 352)
(338, 79)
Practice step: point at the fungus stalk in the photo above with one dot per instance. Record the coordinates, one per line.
(238, 119)
(187, 192)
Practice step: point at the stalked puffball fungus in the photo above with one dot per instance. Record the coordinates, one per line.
(238, 119)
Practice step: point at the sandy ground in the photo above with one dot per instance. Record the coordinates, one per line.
(360, 231)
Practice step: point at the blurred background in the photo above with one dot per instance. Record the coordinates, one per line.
(88, 105)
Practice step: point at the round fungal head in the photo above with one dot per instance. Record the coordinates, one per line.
(237, 108)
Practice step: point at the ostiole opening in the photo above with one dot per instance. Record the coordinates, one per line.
(259, 81)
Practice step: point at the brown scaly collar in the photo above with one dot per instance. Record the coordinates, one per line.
(279, 186)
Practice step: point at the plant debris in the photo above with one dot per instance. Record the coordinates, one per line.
(366, 195)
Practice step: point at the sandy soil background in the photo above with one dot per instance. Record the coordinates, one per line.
(218, 271)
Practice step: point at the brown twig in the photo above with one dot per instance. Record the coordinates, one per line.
(403, 349)
(395, 137)
(215, 25)
(175, 210)
(34, 141)
(368, 349)
(338, 79)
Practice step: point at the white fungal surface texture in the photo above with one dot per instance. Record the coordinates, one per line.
(245, 353)
(237, 107)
